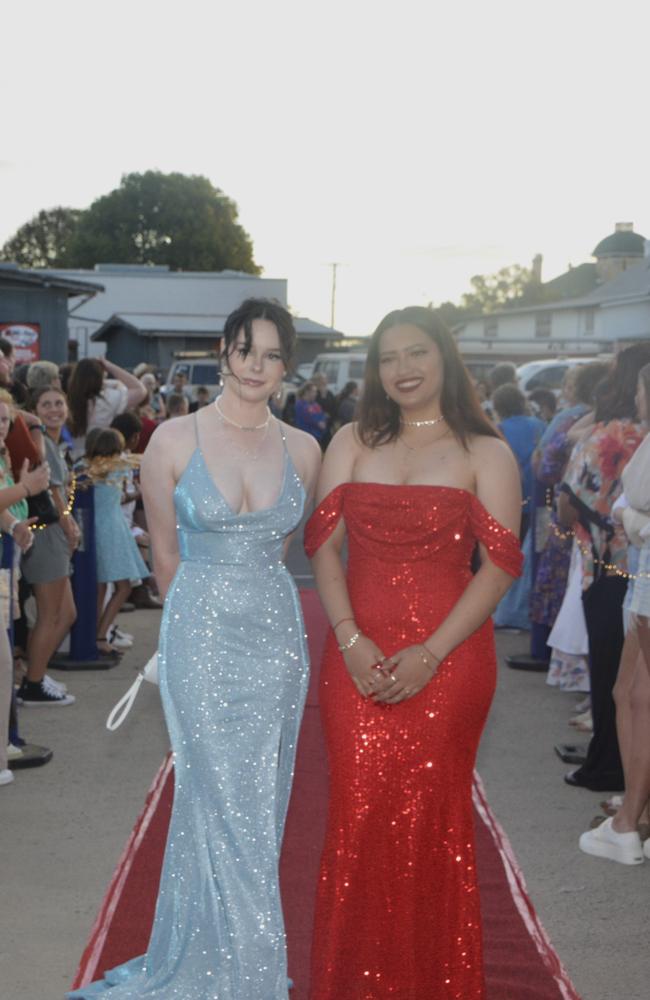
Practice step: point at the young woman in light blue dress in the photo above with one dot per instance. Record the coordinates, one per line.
(224, 488)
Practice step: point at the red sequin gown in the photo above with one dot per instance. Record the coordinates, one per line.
(397, 912)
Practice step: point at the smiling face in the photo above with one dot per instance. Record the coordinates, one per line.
(410, 367)
(52, 409)
(255, 373)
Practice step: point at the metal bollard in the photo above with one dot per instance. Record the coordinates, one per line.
(83, 634)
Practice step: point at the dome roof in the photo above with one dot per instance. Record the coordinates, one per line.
(622, 243)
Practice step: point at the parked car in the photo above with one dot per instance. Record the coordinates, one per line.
(341, 368)
(305, 369)
(549, 374)
(199, 369)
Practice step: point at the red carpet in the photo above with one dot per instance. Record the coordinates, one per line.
(520, 961)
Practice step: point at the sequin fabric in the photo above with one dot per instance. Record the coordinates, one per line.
(233, 670)
(397, 912)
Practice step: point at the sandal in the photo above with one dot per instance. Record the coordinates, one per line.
(105, 649)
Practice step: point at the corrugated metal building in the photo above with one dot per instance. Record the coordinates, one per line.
(40, 299)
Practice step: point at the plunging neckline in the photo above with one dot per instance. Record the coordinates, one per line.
(219, 492)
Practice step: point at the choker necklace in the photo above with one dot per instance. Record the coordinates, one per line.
(242, 427)
(422, 423)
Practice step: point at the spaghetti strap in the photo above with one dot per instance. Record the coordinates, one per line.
(282, 434)
(196, 429)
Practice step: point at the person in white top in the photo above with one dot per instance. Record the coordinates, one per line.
(97, 392)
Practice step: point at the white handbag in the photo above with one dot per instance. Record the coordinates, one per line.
(119, 713)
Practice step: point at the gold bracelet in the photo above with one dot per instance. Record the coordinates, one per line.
(434, 655)
(340, 622)
(350, 643)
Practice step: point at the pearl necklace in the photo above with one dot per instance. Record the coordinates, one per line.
(242, 427)
(422, 423)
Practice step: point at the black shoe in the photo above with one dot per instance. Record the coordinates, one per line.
(571, 753)
(599, 783)
(33, 694)
(530, 663)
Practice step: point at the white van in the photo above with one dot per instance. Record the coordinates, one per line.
(339, 368)
(198, 368)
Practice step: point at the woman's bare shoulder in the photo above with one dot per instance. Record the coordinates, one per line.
(303, 447)
(347, 438)
(171, 444)
(484, 449)
(174, 431)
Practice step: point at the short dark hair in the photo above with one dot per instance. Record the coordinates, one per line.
(509, 401)
(105, 444)
(503, 374)
(175, 402)
(127, 423)
(544, 397)
(241, 320)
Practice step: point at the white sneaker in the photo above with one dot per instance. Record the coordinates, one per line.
(646, 848)
(122, 633)
(14, 753)
(56, 686)
(6, 777)
(119, 639)
(605, 842)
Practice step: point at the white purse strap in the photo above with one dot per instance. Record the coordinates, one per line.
(124, 705)
(119, 713)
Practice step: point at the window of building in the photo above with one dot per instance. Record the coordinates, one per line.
(589, 321)
(491, 327)
(543, 325)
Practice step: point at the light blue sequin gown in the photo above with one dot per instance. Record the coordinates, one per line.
(233, 670)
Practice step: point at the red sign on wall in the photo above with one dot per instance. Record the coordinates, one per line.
(26, 338)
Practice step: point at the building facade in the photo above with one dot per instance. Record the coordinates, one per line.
(614, 313)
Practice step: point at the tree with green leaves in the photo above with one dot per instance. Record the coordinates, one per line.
(156, 218)
(513, 285)
(44, 241)
(494, 291)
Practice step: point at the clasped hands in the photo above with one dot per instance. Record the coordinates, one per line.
(389, 680)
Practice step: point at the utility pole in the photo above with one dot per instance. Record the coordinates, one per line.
(334, 266)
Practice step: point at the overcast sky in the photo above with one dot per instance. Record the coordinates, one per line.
(415, 143)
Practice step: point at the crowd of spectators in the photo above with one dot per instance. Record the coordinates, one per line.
(63, 429)
(584, 595)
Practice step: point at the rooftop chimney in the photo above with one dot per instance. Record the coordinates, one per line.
(537, 268)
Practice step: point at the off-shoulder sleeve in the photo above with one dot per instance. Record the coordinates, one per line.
(322, 522)
(502, 545)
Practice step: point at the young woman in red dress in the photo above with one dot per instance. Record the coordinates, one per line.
(409, 667)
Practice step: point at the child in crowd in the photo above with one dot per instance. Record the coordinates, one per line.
(118, 558)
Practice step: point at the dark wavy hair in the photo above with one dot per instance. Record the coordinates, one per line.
(85, 385)
(241, 320)
(615, 397)
(587, 378)
(379, 417)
